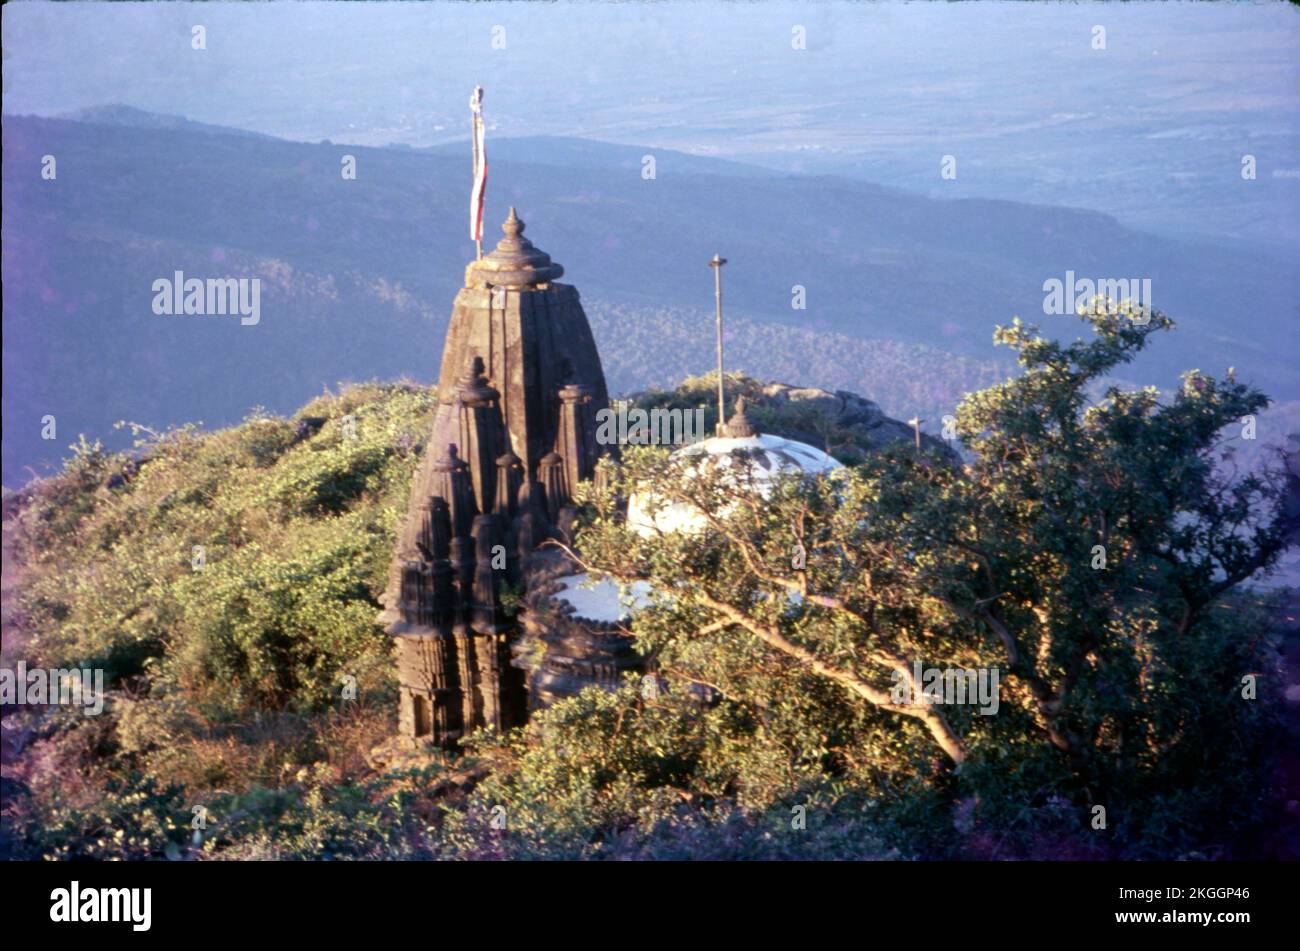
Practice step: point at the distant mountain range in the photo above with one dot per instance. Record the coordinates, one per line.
(132, 117)
(357, 276)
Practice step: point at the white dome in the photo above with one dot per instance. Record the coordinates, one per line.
(763, 458)
(602, 600)
(768, 454)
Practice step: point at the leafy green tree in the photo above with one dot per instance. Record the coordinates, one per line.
(1081, 552)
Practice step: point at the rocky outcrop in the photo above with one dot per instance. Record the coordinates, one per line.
(839, 422)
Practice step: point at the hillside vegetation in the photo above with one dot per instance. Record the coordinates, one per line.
(227, 582)
(226, 673)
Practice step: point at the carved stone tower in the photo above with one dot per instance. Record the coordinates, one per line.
(513, 434)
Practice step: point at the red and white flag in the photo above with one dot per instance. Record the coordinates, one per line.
(480, 167)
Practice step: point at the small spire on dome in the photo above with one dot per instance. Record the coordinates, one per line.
(513, 225)
(739, 426)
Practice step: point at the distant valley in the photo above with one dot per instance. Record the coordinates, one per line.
(902, 291)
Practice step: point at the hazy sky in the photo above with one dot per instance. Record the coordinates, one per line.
(1016, 91)
(382, 72)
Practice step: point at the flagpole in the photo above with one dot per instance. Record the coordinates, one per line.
(476, 138)
(716, 264)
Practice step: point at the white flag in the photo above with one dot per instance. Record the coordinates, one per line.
(480, 167)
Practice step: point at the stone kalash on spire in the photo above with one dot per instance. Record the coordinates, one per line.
(512, 436)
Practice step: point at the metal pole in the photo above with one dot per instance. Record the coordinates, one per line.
(716, 264)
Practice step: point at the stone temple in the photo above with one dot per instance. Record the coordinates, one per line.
(513, 434)
(489, 621)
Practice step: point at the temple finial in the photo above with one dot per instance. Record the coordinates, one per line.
(739, 426)
(515, 262)
(514, 225)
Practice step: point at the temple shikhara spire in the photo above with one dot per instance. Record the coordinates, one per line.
(513, 435)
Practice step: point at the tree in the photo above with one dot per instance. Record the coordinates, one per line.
(1079, 552)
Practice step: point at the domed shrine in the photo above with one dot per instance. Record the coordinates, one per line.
(756, 459)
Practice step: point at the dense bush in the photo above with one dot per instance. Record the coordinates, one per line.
(294, 520)
(225, 671)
